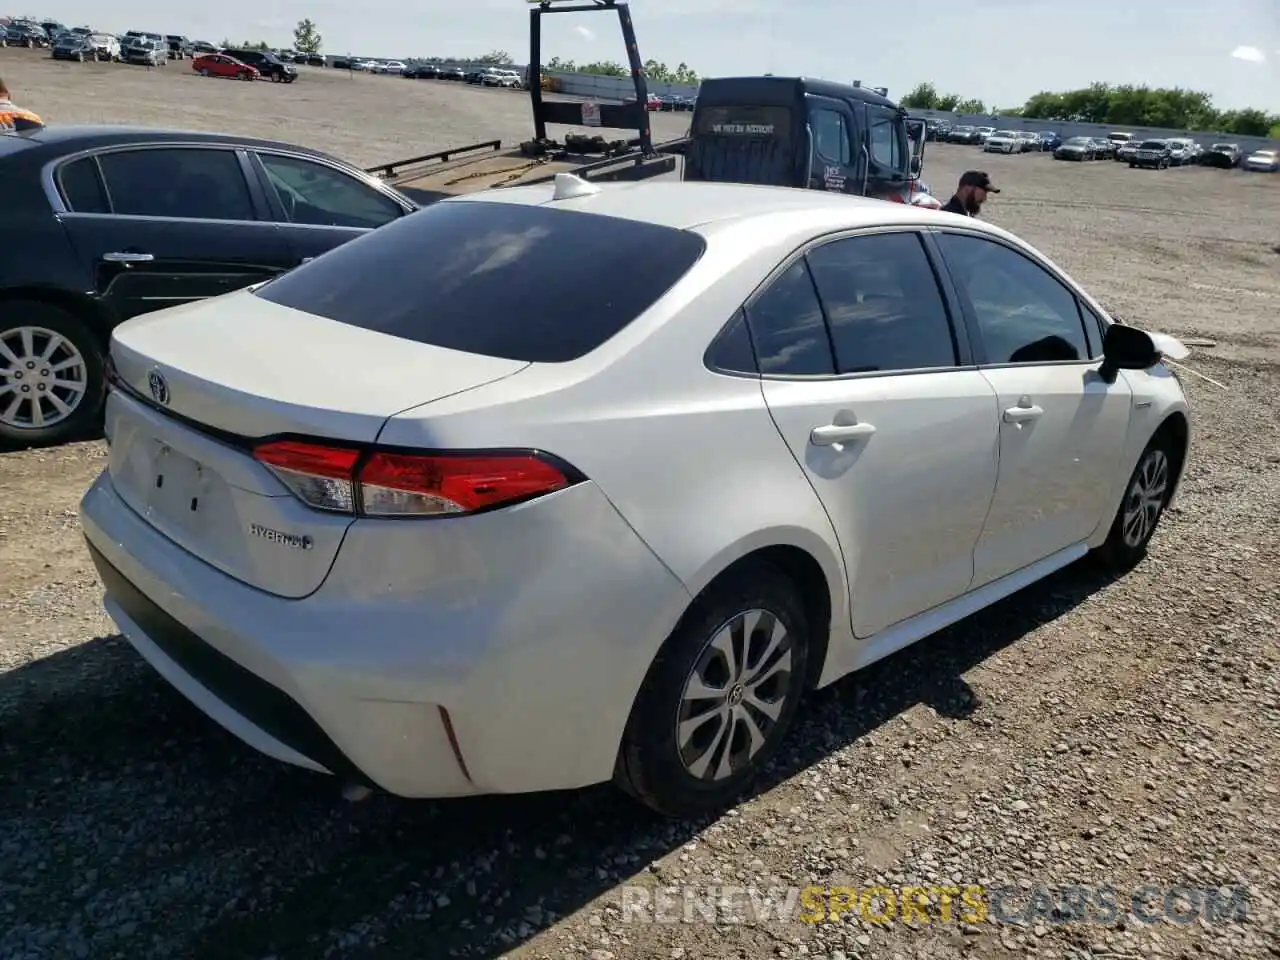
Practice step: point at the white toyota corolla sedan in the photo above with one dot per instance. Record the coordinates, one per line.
(558, 484)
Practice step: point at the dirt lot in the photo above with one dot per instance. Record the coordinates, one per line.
(1083, 733)
(360, 117)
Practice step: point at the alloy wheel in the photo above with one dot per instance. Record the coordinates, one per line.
(734, 696)
(43, 378)
(1145, 498)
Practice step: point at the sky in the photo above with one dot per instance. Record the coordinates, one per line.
(1000, 51)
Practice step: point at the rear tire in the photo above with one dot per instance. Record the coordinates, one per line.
(1146, 494)
(80, 385)
(746, 642)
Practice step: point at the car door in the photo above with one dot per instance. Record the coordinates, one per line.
(320, 205)
(870, 385)
(159, 225)
(832, 160)
(1062, 428)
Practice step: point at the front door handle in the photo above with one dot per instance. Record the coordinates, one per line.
(127, 256)
(839, 433)
(1021, 414)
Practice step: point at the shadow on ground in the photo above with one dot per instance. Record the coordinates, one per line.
(120, 800)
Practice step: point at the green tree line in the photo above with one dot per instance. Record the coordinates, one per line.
(655, 70)
(1123, 106)
(305, 40)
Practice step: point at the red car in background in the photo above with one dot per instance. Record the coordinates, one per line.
(653, 102)
(221, 65)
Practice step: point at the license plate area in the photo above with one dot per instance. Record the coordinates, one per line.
(179, 489)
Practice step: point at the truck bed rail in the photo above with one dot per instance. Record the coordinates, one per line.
(389, 171)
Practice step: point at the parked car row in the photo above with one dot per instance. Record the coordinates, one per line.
(296, 56)
(1123, 147)
(670, 103)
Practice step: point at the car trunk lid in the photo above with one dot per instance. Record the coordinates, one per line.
(198, 384)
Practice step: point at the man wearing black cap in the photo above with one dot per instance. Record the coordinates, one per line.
(974, 187)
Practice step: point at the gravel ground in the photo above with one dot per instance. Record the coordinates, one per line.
(1082, 733)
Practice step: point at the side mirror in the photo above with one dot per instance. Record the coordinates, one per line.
(916, 166)
(1126, 348)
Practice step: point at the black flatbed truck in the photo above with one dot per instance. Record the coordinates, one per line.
(806, 133)
(488, 164)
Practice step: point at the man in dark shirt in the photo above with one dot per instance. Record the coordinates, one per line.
(969, 197)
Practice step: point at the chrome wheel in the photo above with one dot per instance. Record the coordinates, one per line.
(43, 378)
(1145, 498)
(734, 696)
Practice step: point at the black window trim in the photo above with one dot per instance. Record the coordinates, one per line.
(956, 319)
(51, 180)
(1104, 321)
(272, 198)
(971, 320)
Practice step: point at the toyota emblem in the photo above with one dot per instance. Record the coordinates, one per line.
(159, 387)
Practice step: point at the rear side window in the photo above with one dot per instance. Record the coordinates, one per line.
(82, 187)
(788, 329)
(498, 279)
(883, 304)
(186, 182)
(831, 136)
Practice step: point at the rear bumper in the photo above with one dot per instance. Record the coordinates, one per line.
(445, 672)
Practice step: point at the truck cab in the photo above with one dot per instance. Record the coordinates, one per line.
(801, 132)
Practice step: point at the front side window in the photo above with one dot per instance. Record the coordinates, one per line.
(316, 194)
(883, 304)
(497, 279)
(1024, 313)
(886, 146)
(185, 182)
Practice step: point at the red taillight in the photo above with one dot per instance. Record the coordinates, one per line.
(321, 477)
(396, 484)
(392, 484)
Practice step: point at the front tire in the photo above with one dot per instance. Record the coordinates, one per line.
(719, 699)
(1145, 497)
(55, 389)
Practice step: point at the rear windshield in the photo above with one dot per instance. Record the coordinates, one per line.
(744, 121)
(500, 279)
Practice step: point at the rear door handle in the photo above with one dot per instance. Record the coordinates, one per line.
(1022, 414)
(839, 433)
(125, 256)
